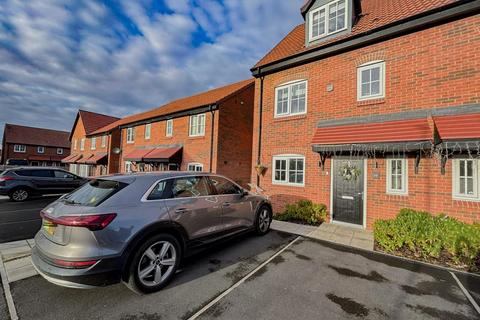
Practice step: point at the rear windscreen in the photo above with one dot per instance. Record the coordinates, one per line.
(93, 193)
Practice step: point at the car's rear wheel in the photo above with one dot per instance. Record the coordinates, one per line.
(19, 194)
(263, 220)
(154, 264)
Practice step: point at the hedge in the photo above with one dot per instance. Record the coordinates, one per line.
(304, 211)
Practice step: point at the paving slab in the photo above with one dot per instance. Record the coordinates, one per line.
(21, 273)
(3, 304)
(16, 252)
(362, 244)
(13, 244)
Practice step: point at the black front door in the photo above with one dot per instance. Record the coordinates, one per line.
(348, 187)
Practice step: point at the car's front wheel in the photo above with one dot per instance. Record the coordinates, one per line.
(19, 194)
(263, 220)
(154, 264)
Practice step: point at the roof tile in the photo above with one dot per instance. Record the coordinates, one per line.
(36, 136)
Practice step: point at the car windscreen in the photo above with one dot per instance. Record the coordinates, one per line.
(93, 193)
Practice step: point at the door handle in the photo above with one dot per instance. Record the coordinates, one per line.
(181, 210)
(226, 204)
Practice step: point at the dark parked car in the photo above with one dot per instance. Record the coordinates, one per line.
(21, 183)
(136, 228)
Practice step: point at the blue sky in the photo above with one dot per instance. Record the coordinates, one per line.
(122, 57)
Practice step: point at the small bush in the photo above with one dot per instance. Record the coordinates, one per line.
(430, 237)
(304, 211)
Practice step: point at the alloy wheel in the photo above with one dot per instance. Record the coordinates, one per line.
(20, 195)
(157, 263)
(264, 220)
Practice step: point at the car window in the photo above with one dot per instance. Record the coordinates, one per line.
(63, 174)
(42, 173)
(159, 191)
(190, 187)
(24, 173)
(93, 193)
(224, 186)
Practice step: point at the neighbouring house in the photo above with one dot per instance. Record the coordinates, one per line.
(372, 106)
(33, 146)
(210, 131)
(93, 155)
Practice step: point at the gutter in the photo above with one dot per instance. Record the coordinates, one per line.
(412, 24)
(260, 118)
(212, 111)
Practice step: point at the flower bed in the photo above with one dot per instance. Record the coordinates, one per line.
(304, 212)
(435, 239)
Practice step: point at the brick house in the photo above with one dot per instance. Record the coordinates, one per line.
(210, 131)
(33, 146)
(372, 106)
(92, 154)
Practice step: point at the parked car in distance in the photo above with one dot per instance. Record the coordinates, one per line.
(22, 182)
(136, 228)
(16, 162)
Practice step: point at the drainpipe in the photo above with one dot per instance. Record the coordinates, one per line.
(211, 136)
(260, 115)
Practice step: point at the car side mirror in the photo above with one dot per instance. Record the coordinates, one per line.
(245, 193)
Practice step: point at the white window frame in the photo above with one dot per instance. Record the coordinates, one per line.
(456, 180)
(289, 85)
(93, 143)
(369, 66)
(404, 177)
(75, 144)
(326, 8)
(195, 165)
(82, 144)
(128, 166)
(197, 129)
(20, 148)
(104, 141)
(169, 128)
(287, 158)
(59, 151)
(148, 131)
(40, 150)
(130, 135)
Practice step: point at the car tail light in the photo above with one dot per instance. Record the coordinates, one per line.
(74, 264)
(5, 178)
(92, 222)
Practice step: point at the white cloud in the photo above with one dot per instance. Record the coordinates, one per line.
(55, 58)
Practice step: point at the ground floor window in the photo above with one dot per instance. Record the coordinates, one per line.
(195, 167)
(466, 179)
(289, 169)
(73, 168)
(128, 166)
(397, 177)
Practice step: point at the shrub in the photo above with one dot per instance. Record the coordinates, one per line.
(304, 211)
(430, 237)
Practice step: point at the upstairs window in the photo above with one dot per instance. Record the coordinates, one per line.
(197, 125)
(195, 167)
(75, 144)
(130, 135)
(20, 148)
(40, 149)
(169, 129)
(466, 179)
(328, 19)
(104, 141)
(371, 81)
(148, 130)
(82, 144)
(291, 99)
(93, 143)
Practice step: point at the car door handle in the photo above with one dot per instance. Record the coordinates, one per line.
(181, 210)
(226, 204)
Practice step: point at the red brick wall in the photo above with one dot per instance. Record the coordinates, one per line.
(235, 137)
(195, 149)
(433, 68)
(31, 150)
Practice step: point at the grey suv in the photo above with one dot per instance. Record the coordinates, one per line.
(136, 228)
(22, 182)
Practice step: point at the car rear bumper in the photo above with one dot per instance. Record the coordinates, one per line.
(4, 191)
(104, 272)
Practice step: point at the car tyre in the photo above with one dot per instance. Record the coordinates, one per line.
(154, 264)
(19, 194)
(263, 220)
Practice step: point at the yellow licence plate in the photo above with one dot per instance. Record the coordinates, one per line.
(49, 227)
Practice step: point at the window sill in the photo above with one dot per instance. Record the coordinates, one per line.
(288, 184)
(195, 137)
(369, 102)
(456, 198)
(288, 118)
(400, 194)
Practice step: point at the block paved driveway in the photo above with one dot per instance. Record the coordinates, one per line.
(307, 280)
